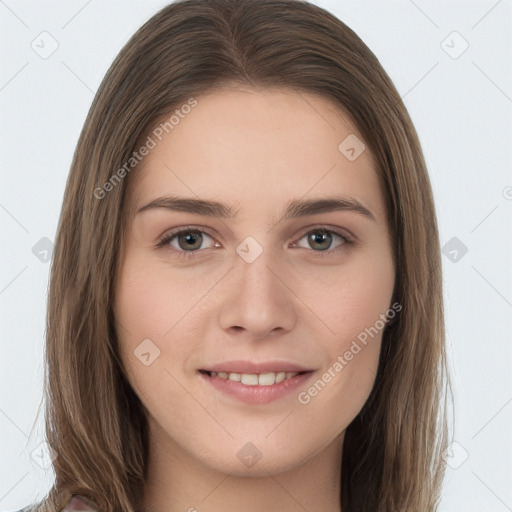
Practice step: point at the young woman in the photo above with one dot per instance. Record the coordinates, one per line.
(245, 308)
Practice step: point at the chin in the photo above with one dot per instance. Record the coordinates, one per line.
(242, 458)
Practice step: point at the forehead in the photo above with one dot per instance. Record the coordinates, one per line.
(257, 147)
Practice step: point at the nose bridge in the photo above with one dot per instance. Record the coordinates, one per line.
(254, 264)
(257, 300)
(255, 271)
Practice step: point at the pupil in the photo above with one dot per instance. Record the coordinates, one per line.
(319, 237)
(191, 239)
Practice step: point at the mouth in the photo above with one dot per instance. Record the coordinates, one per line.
(254, 379)
(255, 388)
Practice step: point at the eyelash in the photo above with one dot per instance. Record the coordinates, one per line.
(163, 241)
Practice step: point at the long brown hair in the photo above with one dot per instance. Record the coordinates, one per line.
(95, 423)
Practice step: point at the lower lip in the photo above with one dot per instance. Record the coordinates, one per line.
(257, 394)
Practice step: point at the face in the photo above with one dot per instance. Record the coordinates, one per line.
(289, 275)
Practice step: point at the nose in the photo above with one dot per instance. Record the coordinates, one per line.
(258, 301)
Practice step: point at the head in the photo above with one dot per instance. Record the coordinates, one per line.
(229, 110)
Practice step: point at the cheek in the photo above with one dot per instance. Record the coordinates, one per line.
(338, 394)
(153, 307)
(351, 303)
(350, 298)
(142, 300)
(145, 310)
(151, 298)
(345, 382)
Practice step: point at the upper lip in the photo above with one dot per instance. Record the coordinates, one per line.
(256, 367)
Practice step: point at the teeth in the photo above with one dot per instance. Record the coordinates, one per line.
(280, 376)
(251, 379)
(266, 379)
(255, 379)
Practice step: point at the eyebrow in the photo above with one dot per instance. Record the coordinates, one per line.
(294, 209)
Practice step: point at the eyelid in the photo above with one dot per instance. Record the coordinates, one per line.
(341, 232)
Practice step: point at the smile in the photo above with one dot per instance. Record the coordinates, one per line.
(255, 379)
(255, 388)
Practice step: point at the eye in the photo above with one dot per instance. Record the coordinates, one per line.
(322, 240)
(185, 241)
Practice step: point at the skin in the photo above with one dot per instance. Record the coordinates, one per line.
(255, 150)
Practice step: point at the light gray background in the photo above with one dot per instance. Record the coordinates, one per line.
(461, 104)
